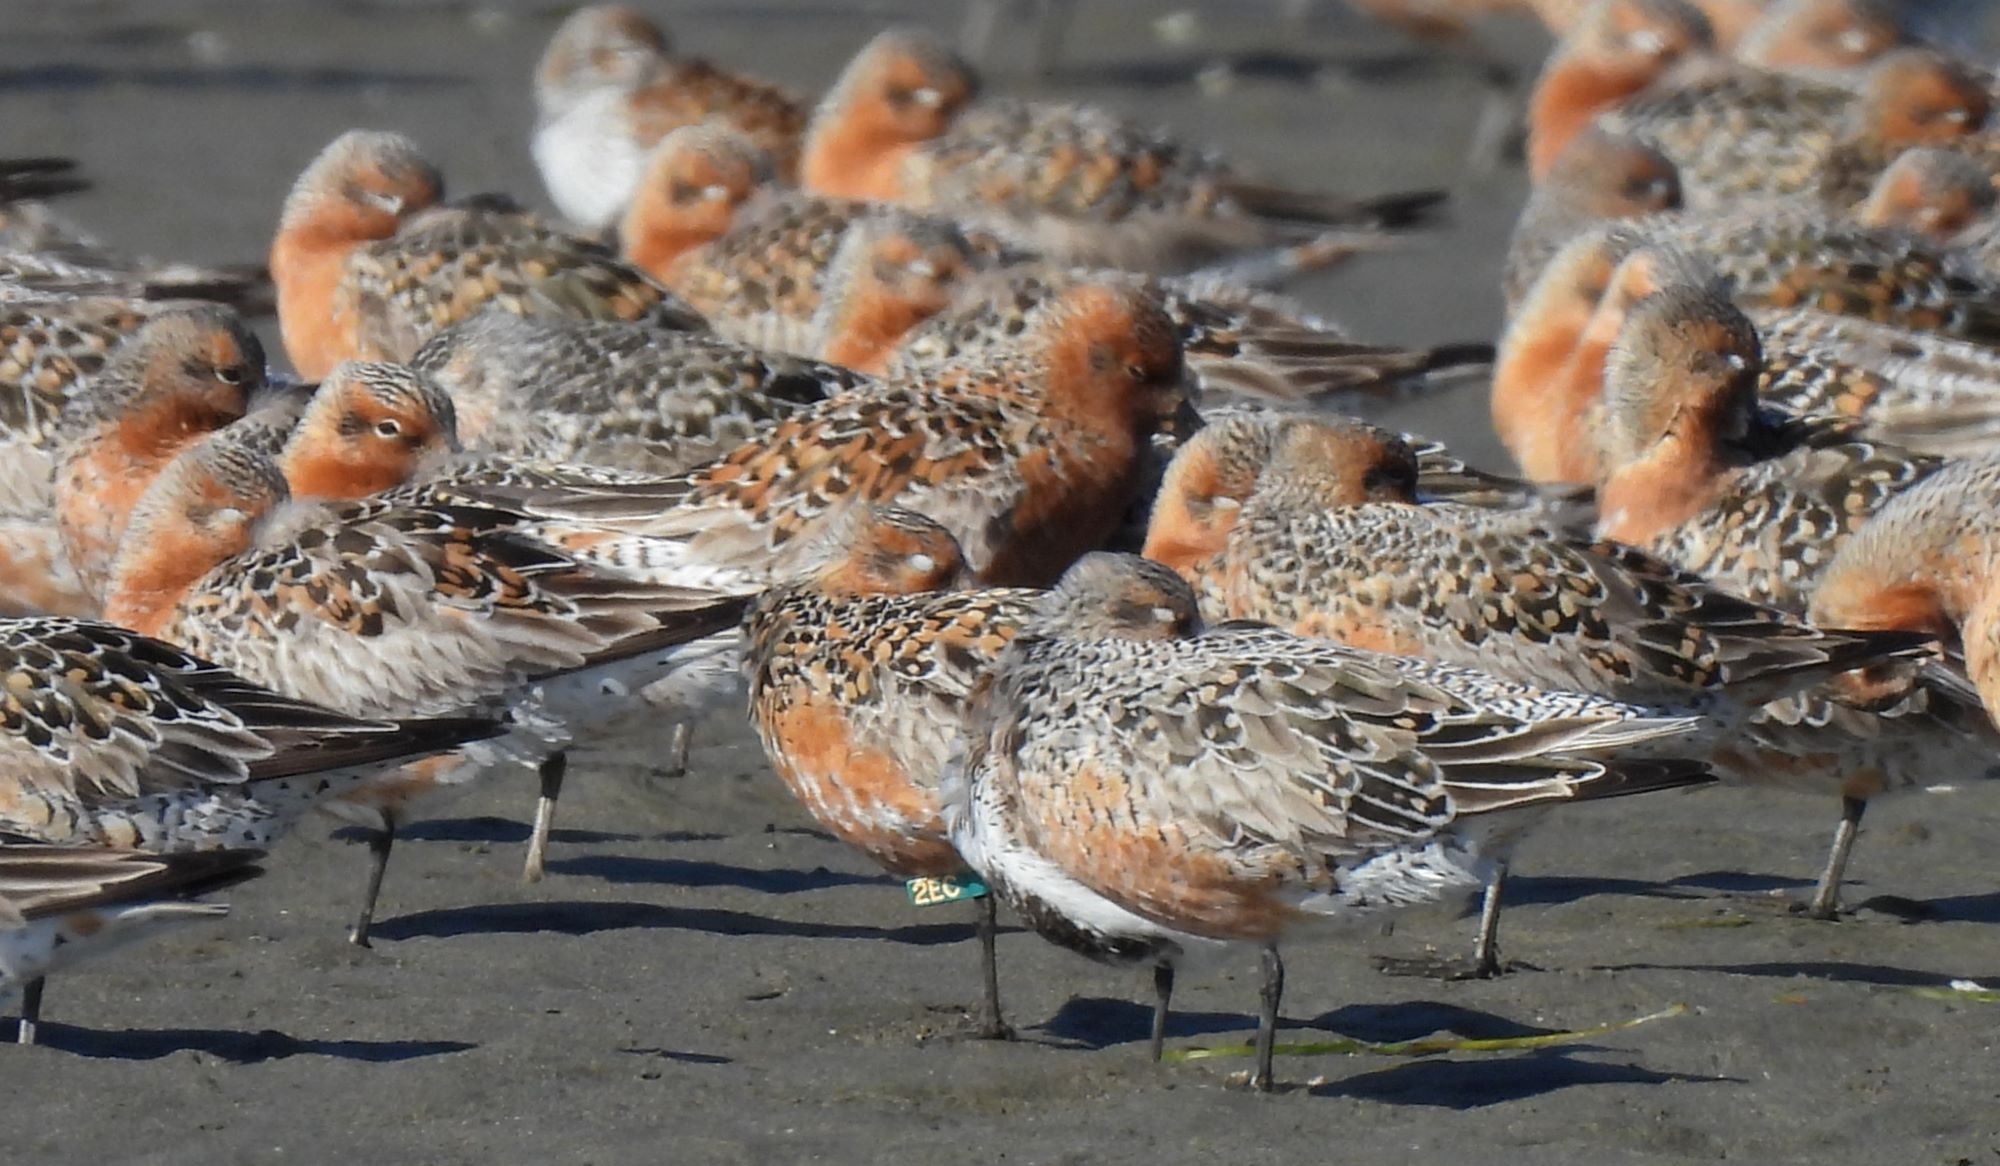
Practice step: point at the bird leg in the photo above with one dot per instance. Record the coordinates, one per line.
(678, 745)
(552, 770)
(1485, 962)
(379, 844)
(1163, 996)
(1486, 945)
(1826, 897)
(1267, 1020)
(31, 1011)
(991, 1026)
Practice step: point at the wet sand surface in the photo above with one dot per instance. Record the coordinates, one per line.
(704, 978)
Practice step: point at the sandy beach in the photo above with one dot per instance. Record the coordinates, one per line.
(705, 978)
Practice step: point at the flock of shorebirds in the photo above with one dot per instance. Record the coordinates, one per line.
(857, 405)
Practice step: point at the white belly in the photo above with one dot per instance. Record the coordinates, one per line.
(589, 164)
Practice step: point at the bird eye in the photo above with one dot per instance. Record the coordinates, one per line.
(229, 374)
(389, 427)
(1136, 371)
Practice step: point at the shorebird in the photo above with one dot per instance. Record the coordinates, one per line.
(837, 278)
(124, 741)
(386, 431)
(609, 87)
(1322, 532)
(874, 287)
(1932, 191)
(1028, 456)
(1182, 788)
(1600, 177)
(859, 676)
(395, 607)
(1075, 183)
(1746, 135)
(121, 743)
(1215, 472)
(621, 395)
(1823, 36)
(1797, 254)
(1239, 344)
(63, 904)
(1617, 49)
(1925, 562)
(369, 264)
(1694, 473)
(180, 377)
(1537, 400)
(1918, 389)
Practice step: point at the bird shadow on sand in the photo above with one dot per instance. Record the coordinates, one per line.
(1096, 1022)
(249, 78)
(1473, 1081)
(1470, 1083)
(508, 831)
(239, 1048)
(1836, 971)
(1950, 909)
(679, 1057)
(581, 918)
(1489, 1080)
(1555, 890)
(680, 872)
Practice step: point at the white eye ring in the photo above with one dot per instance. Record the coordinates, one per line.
(389, 427)
(1224, 502)
(927, 97)
(715, 192)
(924, 269)
(922, 564)
(228, 516)
(1647, 42)
(1166, 614)
(1854, 41)
(1737, 362)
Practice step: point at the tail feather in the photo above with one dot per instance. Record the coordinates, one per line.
(247, 287)
(411, 739)
(1651, 775)
(29, 178)
(38, 880)
(678, 627)
(1613, 779)
(1299, 366)
(1312, 209)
